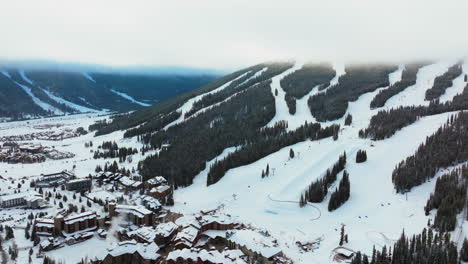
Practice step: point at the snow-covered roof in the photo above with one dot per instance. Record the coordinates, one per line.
(165, 229)
(146, 233)
(20, 195)
(218, 218)
(157, 180)
(126, 181)
(150, 202)
(188, 234)
(146, 251)
(162, 188)
(71, 219)
(255, 242)
(138, 211)
(195, 254)
(44, 222)
(78, 180)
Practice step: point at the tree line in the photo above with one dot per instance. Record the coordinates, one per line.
(447, 146)
(449, 198)
(341, 194)
(299, 83)
(359, 79)
(387, 122)
(260, 148)
(442, 82)
(317, 190)
(408, 78)
(239, 85)
(429, 247)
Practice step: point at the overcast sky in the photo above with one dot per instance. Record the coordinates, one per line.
(226, 34)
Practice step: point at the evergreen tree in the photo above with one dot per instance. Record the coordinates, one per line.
(464, 249)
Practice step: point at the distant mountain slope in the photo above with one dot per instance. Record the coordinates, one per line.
(35, 93)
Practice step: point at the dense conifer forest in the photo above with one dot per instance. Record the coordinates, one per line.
(317, 190)
(150, 117)
(193, 142)
(447, 147)
(361, 156)
(449, 198)
(341, 194)
(429, 247)
(240, 85)
(301, 82)
(387, 122)
(359, 79)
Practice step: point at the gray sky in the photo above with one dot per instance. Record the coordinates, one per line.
(231, 34)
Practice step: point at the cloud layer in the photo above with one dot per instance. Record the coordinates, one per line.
(231, 34)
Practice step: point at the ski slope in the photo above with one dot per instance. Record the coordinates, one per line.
(415, 94)
(458, 85)
(24, 77)
(187, 106)
(77, 107)
(45, 106)
(282, 110)
(89, 77)
(374, 215)
(129, 98)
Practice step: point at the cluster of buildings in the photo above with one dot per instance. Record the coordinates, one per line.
(55, 135)
(67, 178)
(28, 199)
(12, 152)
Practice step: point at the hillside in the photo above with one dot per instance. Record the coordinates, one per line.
(257, 142)
(39, 93)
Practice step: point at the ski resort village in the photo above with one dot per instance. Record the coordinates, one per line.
(285, 162)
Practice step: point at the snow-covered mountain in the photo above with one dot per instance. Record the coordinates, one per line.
(35, 92)
(258, 143)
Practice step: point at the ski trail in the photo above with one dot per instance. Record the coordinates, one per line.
(458, 86)
(396, 76)
(187, 106)
(89, 77)
(282, 110)
(415, 94)
(24, 77)
(77, 107)
(340, 70)
(129, 98)
(204, 109)
(47, 107)
(256, 75)
(6, 74)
